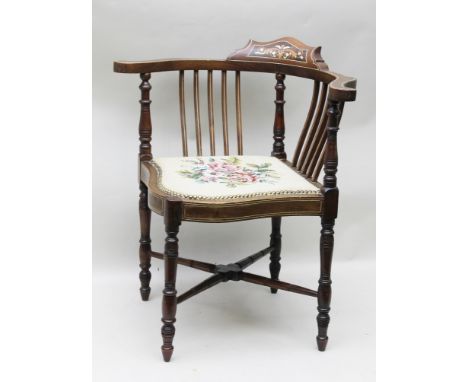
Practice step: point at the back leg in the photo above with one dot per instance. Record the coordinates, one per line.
(275, 241)
(145, 243)
(324, 289)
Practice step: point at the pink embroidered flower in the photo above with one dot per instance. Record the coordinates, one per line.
(229, 171)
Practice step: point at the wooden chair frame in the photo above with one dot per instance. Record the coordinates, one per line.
(316, 150)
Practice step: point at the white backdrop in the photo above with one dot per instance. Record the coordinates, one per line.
(232, 324)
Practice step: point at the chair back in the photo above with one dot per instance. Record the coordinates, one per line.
(282, 57)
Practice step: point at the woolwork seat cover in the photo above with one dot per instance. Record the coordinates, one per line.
(226, 177)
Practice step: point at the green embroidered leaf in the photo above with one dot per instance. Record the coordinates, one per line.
(232, 160)
(259, 166)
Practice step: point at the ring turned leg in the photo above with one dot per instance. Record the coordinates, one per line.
(172, 220)
(275, 241)
(324, 289)
(145, 243)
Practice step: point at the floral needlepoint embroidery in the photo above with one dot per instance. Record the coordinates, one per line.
(228, 177)
(230, 171)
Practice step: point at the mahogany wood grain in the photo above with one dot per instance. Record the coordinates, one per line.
(183, 120)
(196, 100)
(305, 129)
(240, 148)
(211, 113)
(224, 112)
(318, 166)
(317, 146)
(312, 138)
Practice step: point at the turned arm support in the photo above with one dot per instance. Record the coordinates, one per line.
(145, 128)
(329, 185)
(278, 126)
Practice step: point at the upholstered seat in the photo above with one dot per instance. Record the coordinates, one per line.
(229, 184)
(227, 177)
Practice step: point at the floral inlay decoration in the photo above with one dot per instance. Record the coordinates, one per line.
(282, 51)
(230, 171)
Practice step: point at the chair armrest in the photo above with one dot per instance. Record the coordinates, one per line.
(342, 88)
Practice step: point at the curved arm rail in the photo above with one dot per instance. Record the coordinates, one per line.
(342, 88)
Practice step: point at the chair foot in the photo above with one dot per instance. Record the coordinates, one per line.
(273, 290)
(167, 354)
(322, 343)
(145, 293)
(323, 319)
(168, 332)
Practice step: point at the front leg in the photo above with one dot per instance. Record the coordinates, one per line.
(172, 220)
(145, 243)
(275, 241)
(330, 209)
(324, 289)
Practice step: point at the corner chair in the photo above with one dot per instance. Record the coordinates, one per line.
(214, 185)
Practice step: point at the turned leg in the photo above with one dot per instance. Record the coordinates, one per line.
(324, 289)
(275, 241)
(172, 220)
(145, 243)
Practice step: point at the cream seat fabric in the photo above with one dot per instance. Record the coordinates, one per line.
(226, 177)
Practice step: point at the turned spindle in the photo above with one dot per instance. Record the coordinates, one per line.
(278, 126)
(330, 192)
(278, 152)
(145, 118)
(144, 211)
